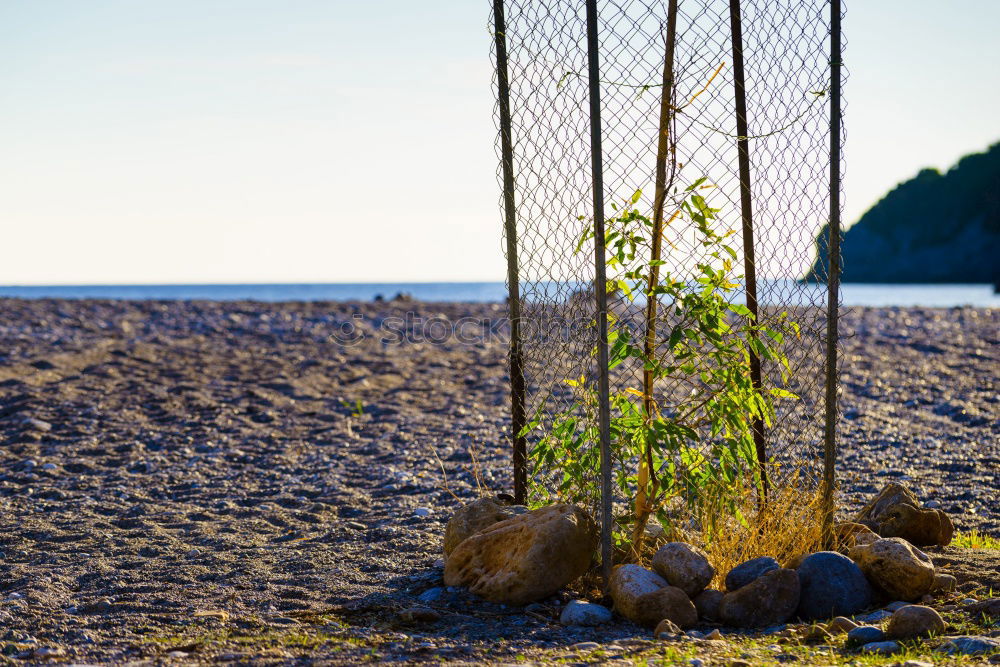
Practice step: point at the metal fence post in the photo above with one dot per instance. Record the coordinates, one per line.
(833, 275)
(746, 205)
(517, 390)
(600, 283)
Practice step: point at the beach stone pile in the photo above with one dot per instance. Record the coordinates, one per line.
(507, 554)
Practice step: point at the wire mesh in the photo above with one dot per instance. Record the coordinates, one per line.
(787, 80)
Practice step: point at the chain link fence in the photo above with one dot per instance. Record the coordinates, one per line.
(755, 138)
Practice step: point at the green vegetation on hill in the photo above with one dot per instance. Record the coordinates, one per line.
(934, 228)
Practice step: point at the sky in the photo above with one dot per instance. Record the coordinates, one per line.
(201, 141)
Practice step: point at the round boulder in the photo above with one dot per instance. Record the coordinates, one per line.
(629, 583)
(771, 599)
(743, 574)
(913, 621)
(646, 598)
(684, 566)
(896, 566)
(707, 603)
(831, 585)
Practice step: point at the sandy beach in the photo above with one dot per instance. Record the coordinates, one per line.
(174, 474)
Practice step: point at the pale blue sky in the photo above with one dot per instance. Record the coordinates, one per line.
(345, 141)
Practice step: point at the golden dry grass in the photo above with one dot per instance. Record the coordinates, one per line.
(786, 528)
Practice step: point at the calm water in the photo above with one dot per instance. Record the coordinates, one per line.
(854, 294)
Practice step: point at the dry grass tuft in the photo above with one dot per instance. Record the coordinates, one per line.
(788, 527)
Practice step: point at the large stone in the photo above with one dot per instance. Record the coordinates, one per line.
(684, 566)
(628, 584)
(913, 621)
(891, 494)
(472, 518)
(769, 600)
(743, 574)
(896, 512)
(895, 566)
(707, 603)
(644, 597)
(919, 526)
(525, 558)
(831, 585)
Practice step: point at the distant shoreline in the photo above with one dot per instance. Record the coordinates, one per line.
(941, 295)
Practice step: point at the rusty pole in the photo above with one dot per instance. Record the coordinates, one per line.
(517, 390)
(600, 284)
(746, 206)
(833, 277)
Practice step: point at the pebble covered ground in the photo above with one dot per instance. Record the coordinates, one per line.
(237, 481)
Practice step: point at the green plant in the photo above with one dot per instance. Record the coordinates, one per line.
(700, 448)
(357, 408)
(974, 540)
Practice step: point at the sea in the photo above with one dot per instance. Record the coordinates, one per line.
(852, 294)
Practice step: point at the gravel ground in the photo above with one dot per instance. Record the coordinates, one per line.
(228, 481)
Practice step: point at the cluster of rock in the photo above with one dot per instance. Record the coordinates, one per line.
(506, 554)
(510, 555)
(878, 562)
(758, 593)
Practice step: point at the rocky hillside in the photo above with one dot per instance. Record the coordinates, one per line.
(934, 228)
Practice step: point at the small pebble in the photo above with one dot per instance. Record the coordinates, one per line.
(356, 525)
(45, 652)
(422, 511)
(585, 646)
(841, 624)
(580, 612)
(37, 424)
(714, 634)
(875, 616)
(881, 648)
(431, 594)
(865, 634)
(970, 645)
(419, 615)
